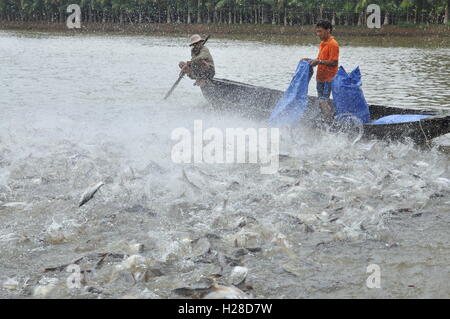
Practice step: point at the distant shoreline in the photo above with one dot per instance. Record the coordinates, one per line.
(435, 31)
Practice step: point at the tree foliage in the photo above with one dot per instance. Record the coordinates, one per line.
(282, 12)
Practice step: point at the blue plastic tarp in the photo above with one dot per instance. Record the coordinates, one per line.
(294, 102)
(400, 118)
(348, 96)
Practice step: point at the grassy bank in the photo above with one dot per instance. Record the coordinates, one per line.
(222, 29)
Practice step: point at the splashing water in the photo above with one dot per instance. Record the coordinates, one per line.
(333, 208)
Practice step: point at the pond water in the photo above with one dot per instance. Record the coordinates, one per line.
(77, 110)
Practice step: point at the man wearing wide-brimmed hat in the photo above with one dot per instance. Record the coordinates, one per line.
(201, 67)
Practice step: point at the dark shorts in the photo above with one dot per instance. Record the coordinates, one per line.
(324, 90)
(202, 71)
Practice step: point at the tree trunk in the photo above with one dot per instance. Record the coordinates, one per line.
(446, 17)
(199, 11)
(263, 17)
(274, 18)
(285, 16)
(169, 20)
(90, 12)
(189, 14)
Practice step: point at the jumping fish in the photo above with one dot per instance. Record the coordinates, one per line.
(224, 292)
(89, 193)
(185, 177)
(11, 284)
(13, 204)
(238, 275)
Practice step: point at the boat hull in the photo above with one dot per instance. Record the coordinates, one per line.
(258, 102)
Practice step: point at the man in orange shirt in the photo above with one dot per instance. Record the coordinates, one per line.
(327, 62)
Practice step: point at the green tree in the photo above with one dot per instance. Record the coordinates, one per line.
(346, 12)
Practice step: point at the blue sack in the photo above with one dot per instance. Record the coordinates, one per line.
(348, 96)
(400, 118)
(294, 102)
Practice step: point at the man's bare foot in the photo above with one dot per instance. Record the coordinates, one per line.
(327, 110)
(200, 82)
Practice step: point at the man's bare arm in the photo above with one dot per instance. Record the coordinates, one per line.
(324, 62)
(329, 62)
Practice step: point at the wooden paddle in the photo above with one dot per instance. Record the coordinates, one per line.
(181, 76)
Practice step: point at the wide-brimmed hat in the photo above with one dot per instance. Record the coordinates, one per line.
(195, 39)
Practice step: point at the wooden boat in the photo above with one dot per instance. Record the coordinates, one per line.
(258, 102)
